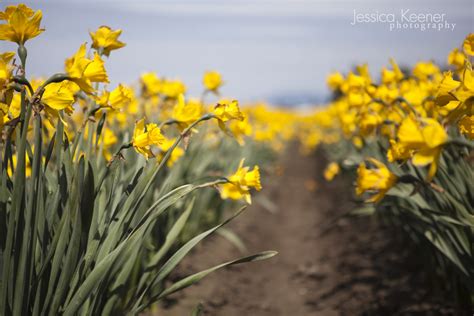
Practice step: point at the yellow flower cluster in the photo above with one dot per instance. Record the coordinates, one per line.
(97, 119)
(416, 113)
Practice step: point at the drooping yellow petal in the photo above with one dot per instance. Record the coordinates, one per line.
(468, 45)
(409, 133)
(434, 133)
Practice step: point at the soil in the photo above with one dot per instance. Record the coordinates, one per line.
(328, 263)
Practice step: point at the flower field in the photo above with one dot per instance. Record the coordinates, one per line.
(106, 189)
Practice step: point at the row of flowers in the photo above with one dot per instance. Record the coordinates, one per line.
(407, 139)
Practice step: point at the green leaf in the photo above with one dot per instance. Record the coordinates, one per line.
(232, 238)
(442, 246)
(194, 278)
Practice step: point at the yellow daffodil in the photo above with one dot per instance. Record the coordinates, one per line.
(423, 70)
(83, 71)
(172, 88)
(105, 40)
(378, 180)
(146, 136)
(466, 126)
(335, 80)
(447, 84)
(353, 82)
(6, 69)
(187, 113)
(368, 122)
(58, 97)
(456, 58)
(21, 24)
(357, 142)
(364, 72)
(331, 171)
(455, 96)
(151, 83)
(398, 152)
(388, 76)
(358, 98)
(228, 110)
(212, 80)
(386, 93)
(391, 76)
(240, 183)
(117, 99)
(425, 138)
(468, 45)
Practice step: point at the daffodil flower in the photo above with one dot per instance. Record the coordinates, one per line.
(58, 97)
(466, 126)
(83, 71)
(335, 80)
(151, 83)
(368, 122)
(172, 88)
(425, 138)
(228, 110)
(398, 152)
(240, 183)
(6, 69)
(424, 70)
(105, 40)
(456, 58)
(21, 24)
(468, 45)
(186, 113)
(378, 180)
(331, 171)
(212, 80)
(118, 98)
(225, 111)
(146, 136)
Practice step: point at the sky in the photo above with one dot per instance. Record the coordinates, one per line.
(276, 50)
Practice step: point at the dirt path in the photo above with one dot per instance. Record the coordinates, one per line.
(351, 269)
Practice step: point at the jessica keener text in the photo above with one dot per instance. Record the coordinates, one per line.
(405, 20)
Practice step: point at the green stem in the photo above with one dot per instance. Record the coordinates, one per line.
(167, 122)
(23, 81)
(18, 204)
(81, 129)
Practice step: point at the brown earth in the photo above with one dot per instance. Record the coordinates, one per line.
(328, 264)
